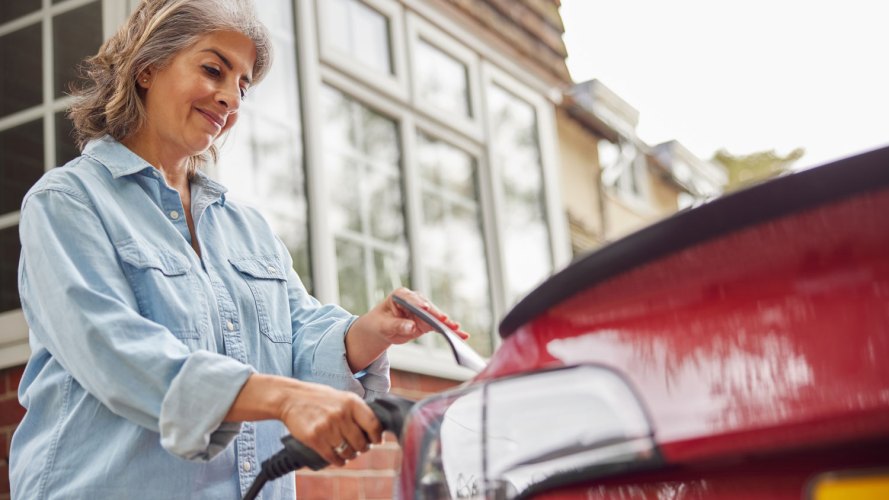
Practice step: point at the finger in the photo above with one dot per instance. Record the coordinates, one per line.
(356, 440)
(368, 424)
(326, 450)
(345, 450)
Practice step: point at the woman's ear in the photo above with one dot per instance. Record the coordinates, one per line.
(144, 79)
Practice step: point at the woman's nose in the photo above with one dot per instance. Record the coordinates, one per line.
(230, 99)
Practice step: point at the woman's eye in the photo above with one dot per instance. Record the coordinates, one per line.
(211, 70)
(243, 94)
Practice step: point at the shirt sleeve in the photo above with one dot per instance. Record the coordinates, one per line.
(81, 307)
(319, 344)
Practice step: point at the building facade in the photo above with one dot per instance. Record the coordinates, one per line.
(613, 183)
(394, 143)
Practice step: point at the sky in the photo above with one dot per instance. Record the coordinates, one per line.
(745, 76)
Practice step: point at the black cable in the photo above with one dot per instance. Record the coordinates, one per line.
(257, 485)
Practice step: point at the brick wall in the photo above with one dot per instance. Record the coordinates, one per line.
(370, 476)
(10, 415)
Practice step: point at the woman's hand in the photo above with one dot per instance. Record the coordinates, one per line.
(386, 324)
(338, 425)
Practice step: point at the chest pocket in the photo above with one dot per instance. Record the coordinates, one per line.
(267, 280)
(164, 290)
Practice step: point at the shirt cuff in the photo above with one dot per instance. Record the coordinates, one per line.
(331, 366)
(192, 412)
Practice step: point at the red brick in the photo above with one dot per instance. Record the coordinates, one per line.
(360, 463)
(12, 378)
(434, 384)
(11, 412)
(377, 487)
(404, 380)
(4, 479)
(384, 458)
(316, 487)
(349, 488)
(4, 446)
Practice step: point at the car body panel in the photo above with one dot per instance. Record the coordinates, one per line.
(754, 329)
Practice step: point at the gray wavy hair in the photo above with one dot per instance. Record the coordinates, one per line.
(109, 102)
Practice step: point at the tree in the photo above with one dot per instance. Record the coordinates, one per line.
(744, 170)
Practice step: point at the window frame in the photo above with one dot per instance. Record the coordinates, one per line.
(557, 225)
(415, 211)
(14, 349)
(419, 29)
(395, 84)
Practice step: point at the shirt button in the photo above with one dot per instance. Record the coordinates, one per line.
(174, 214)
(271, 269)
(246, 466)
(230, 326)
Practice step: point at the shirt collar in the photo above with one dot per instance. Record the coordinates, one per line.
(116, 157)
(207, 185)
(121, 161)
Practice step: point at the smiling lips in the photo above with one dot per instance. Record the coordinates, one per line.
(215, 119)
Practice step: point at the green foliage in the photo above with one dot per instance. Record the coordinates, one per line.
(744, 170)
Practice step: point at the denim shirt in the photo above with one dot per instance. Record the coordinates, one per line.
(139, 346)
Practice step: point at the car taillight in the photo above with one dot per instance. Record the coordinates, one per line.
(513, 436)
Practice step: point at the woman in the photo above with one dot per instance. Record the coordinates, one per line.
(172, 343)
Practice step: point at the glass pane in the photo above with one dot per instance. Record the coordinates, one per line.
(21, 81)
(277, 15)
(65, 148)
(21, 163)
(370, 40)
(76, 34)
(278, 94)
(356, 29)
(351, 277)
(339, 129)
(380, 137)
(362, 159)
(517, 158)
(345, 211)
(386, 220)
(391, 272)
(444, 165)
(442, 80)
(336, 28)
(453, 240)
(10, 248)
(13, 9)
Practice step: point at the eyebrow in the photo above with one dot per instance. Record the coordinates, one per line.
(227, 63)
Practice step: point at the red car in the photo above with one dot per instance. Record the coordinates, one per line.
(738, 350)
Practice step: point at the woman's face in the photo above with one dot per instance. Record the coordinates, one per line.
(195, 98)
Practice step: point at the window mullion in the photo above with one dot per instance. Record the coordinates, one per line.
(49, 129)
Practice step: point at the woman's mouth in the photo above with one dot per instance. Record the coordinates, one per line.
(215, 119)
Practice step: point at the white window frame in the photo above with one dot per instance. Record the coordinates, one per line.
(419, 29)
(395, 99)
(557, 224)
(416, 358)
(396, 84)
(620, 190)
(14, 348)
(383, 107)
